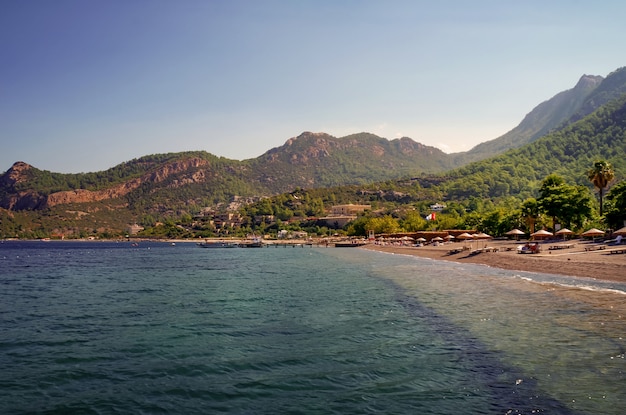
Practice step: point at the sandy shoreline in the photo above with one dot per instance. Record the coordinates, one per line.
(574, 261)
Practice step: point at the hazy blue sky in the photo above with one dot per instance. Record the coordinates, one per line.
(86, 85)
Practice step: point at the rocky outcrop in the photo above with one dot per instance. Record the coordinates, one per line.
(12, 199)
(157, 176)
(23, 201)
(30, 200)
(16, 174)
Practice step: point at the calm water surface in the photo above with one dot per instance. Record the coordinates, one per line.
(112, 328)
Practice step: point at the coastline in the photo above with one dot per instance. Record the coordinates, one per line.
(575, 261)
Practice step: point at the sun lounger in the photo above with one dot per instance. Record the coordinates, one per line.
(595, 248)
(555, 247)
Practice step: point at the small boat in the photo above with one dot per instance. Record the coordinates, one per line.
(218, 244)
(253, 243)
(349, 244)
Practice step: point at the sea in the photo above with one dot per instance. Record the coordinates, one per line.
(157, 328)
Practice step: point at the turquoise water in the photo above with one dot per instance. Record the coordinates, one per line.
(112, 328)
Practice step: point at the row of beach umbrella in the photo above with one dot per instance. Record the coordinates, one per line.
(516, 232)
(593, 232)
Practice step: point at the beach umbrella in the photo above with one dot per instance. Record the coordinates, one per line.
(541, 234)
(621, 231)
(437, 239)
(593, 232)
(515, 232)
(481, 235)
(448, 237)
(464, 236)
(421, 239)
(564, 232)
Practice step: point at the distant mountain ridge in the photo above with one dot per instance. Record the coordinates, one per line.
(309, 160)
(321, 160)
(543, 118)
(566, 107)
(189, 180)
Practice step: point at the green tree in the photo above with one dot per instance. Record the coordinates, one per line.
(552, 196)
(386, 224)
(570, 204)
(601, 175)
(413, 222)
(530, 213)
(616, 209)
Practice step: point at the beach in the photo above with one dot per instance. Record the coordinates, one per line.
(581, 259)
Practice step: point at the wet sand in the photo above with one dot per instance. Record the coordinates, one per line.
(573, 261)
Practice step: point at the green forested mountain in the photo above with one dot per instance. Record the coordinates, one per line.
(321, 160)
(489, 194)
(172, 185)
(543, 118)
(590, 93)
(568, 152)
(611, 88)
(165, 186)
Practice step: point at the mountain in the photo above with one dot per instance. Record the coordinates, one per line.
(321, 160)
(543, 118)
(502, 181)
(610, 89)
(172, 181)
(589, 94)
(569, 152)
(308, 160)
(175, 184)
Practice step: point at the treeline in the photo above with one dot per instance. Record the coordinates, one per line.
(399, 207)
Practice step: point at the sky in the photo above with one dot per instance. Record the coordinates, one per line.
(87, 85)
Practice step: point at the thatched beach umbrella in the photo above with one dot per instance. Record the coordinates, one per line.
(481, 235)
(464, 236)
(564, 232)
(542, 234)
(515, 232)
(593, 232)
(621, 231)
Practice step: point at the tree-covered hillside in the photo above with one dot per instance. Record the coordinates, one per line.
(568, 152)
(321, 160)
(46, 182)
(542, 119)
(535, 185)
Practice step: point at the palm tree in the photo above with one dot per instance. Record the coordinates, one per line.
(601, 175)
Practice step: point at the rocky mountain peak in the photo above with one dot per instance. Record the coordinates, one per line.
(16, 174)
(589, 81)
